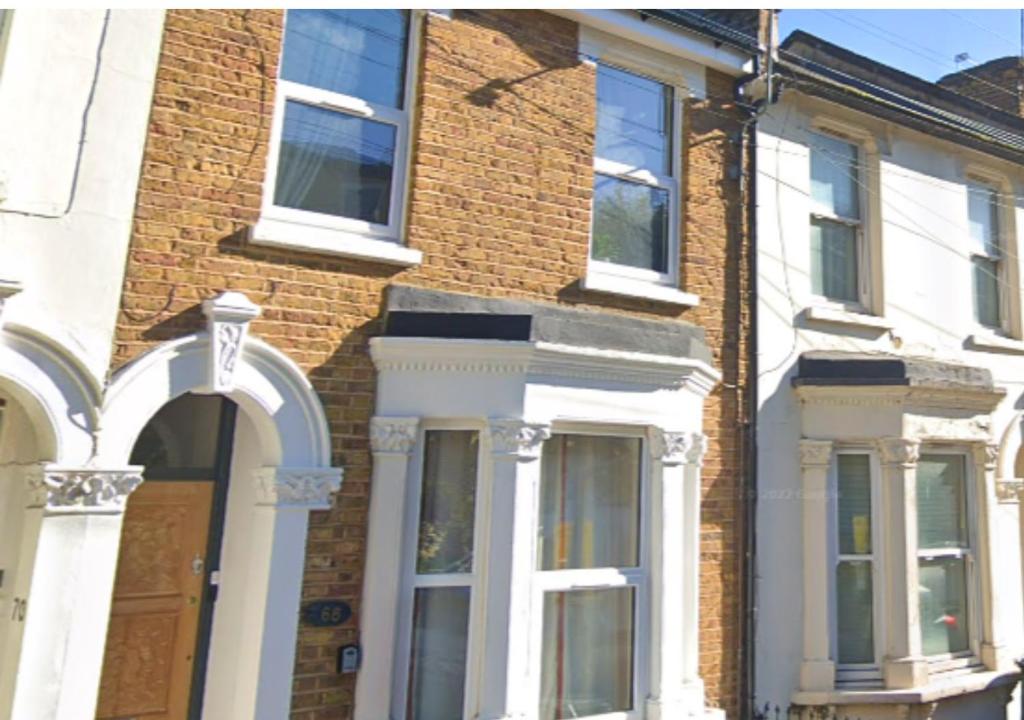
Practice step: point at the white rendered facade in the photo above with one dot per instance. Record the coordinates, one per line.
(913, 299)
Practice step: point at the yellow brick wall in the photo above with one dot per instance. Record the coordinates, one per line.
(499, 205)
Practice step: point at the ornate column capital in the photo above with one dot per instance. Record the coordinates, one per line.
(669, 448)
(986, 454)
(393, 435)
(310, 488)
(227, 320)
(514, 438)
(1010, 491)
(81, 490)
(815, 453)
(900, 451)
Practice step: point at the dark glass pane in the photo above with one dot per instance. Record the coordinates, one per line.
(854, 504)
(590, 502)
(942, 589)
(986, 291)
(437, 672)
(354, 52)
(834, 260)
(587, 653)
(448, 502)
(183, 434)
(854, 603)
(941, 502)
(335, 164)
(634, 120)
(630, 224)
(983, 220)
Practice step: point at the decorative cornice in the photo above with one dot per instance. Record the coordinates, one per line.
(517, 439)
(81, 490)
(1010, 491)
(541, 359)
(227, 317)
(815, 453)
(900, 451)
(986, 454)
(310, 488)
(393, 435)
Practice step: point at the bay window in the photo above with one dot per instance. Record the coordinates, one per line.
(591, 575)
(945, 559)
(336, 171)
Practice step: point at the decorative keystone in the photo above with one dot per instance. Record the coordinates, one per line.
(227, 320)
(8, 289)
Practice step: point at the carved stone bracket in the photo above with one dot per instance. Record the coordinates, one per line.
(900, 451)
(986, 454)
(81, 490)
(8, 289)
(393, 435)
(698, 449)
(311, 488)
(1009, 491)
(815, 452)
(227, 318)
(518, 439)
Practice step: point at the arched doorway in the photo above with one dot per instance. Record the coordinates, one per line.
(169, 561)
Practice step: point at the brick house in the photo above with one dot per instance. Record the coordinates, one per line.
(464, 438)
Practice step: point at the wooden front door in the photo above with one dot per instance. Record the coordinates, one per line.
(151, 641)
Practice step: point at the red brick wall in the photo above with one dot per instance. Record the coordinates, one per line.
(499, 205)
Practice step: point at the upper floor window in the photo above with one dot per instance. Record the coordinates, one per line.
(636, 193)
(986, 253)
(339, 144)
(837, 227)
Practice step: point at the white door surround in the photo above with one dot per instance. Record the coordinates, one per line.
(76, 492)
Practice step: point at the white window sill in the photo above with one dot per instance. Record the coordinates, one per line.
(836, 316)
(638, 289)
(987, 341)
(309, 238)
(960, 684)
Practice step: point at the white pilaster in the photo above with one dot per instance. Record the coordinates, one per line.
(515, 479)
(71, 538)
(391, 439)
(676, 690)
(903, 665)
(818, 670)
(994, 651)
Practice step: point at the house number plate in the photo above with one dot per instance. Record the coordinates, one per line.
(326, 613)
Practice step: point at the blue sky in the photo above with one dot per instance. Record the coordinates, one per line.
(920, 42)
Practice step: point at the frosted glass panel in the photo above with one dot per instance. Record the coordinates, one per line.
(590, 502)
(587, 656)
(834, 177)
(854, 504)
(448, 502)
(437, 672)
(942, 588)
(854, 608)
(941, 502)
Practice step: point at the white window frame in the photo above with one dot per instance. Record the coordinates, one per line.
(870, 302)
(685, 79)
(1010, 316)
(601, 578)
(946, 662)
(321, 232)
(853, 674)
(412, 581)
